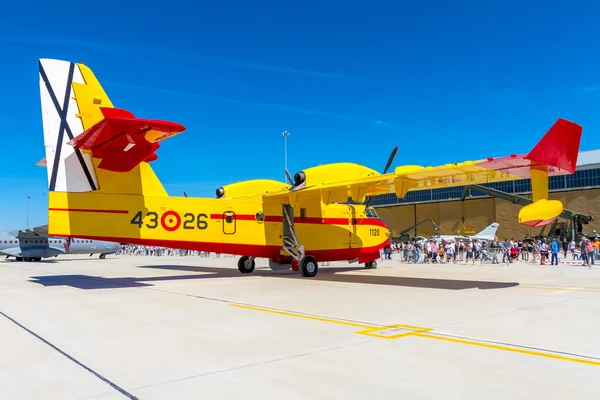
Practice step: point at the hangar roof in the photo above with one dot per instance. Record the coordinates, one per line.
(588, 159)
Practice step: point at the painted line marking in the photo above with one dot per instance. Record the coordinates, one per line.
(314, 318)
(559, 288)
(507, 348)
(400, 330)
(390, 332)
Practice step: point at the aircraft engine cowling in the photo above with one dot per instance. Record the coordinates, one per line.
(251, 188)
(323, 174)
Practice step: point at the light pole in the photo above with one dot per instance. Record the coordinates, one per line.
(285, 135)
(27, 225)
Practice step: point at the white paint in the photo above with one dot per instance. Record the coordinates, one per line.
(71, 176)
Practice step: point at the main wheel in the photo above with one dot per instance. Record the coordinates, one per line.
(309, 266)
(373, 264)
(37, 259)
(245, 265)
(102, 256)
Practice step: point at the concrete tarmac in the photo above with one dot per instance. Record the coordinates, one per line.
(195, 328)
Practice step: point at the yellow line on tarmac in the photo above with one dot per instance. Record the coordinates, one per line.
(506, 348)
(559, 288)
(291, 314)
(370, 330)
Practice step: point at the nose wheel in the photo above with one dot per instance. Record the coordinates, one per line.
(246, 264)
(371, 265)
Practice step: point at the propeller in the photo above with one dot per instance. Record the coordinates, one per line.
(289, 177)
(385, 170)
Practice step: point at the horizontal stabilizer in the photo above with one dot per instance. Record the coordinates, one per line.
(123, 141)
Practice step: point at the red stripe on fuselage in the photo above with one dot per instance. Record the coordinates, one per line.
(308, 220)
(253, 250)
(89, 210)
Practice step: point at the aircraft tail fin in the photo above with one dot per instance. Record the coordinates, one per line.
(489, 232)
(90, 144)
(69, 169)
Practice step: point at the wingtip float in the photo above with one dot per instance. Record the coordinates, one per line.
(101, 185)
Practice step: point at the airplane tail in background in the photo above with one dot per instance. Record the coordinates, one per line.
(489, 232)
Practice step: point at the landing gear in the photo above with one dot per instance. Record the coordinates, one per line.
(19, 258)
(246, 264)
(102, 256)
(371, 265)
(308, 266)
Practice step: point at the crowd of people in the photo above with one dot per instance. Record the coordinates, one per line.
(439, 250)
(156, 251)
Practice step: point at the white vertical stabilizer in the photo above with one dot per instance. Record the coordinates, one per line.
(489, 233)
(69, 169)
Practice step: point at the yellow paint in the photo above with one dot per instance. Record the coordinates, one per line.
(420, 332)
(559, 288)
(140, 180)
(541, 210)
(297, 315)
(413, 331)
(329, 227)
(539, 182)
(507, 348)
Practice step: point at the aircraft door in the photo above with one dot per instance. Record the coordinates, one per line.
(229, 223)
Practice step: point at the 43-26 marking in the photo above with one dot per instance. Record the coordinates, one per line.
(170, 220)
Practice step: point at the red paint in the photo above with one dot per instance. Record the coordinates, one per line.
(537, 223)
(120, 130)
(307, 220)
(253, 250)
(559, 147)
(89, 210)
(163, 221)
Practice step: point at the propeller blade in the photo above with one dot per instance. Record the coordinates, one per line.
(390, 160)
(289, 177)
(385, 170)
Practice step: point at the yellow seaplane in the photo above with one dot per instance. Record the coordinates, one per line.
(102, 186)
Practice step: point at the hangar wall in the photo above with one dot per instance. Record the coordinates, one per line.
(481, 212)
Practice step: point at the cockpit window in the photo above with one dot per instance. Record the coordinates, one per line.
(370, 213)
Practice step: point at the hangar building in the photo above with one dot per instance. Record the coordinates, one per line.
(578, 192)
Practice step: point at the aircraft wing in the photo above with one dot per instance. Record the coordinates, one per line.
(12, 251)
(555, 154)
(123, 141)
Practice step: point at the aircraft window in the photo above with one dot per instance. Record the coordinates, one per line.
(260, 217)
(303, 213)
(229, 218)
(370, 212)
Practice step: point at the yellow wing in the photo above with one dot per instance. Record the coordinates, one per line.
(555, 154)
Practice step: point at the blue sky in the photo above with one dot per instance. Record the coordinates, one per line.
(446, 81)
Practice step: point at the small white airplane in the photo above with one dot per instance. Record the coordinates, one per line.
(488, 234)
(35, 244)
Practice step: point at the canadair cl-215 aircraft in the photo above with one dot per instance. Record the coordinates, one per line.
(35, 244)
(102, 186)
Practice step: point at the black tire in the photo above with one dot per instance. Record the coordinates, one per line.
(19, 258)
(242, 265)
(102, 256)
(309, 266)
(37, 259)
(374, 264)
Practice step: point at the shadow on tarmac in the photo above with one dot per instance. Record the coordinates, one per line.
(333, 274)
